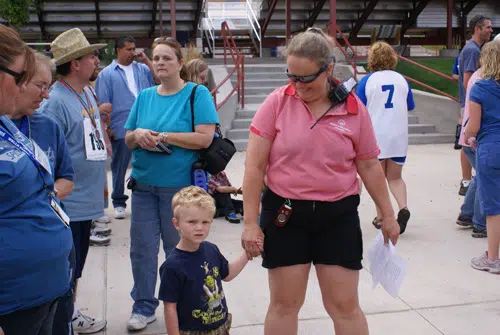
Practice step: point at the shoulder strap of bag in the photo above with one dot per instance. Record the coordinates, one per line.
(191, 99)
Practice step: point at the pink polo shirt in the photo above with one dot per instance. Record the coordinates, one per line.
(465, 118)
(319, 163)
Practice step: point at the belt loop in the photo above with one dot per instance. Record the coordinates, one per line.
(314, 205)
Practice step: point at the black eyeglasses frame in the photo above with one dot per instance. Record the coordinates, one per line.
(18, 76)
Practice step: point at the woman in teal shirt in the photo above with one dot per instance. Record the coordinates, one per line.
(161, 114)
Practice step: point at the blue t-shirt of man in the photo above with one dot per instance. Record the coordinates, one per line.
(87, 200)
(50, 138)
(193, 280)
(34, 241)
(171, 114)
(486, 92)
(112, 87)
(468, 61)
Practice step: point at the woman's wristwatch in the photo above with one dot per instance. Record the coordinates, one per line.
(164, 137)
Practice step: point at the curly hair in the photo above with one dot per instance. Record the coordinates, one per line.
(490, 60)
(193, 196)
(382, 57)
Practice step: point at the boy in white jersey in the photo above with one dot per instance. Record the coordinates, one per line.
(388, 97)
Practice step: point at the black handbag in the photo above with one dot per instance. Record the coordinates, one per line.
(215, 158)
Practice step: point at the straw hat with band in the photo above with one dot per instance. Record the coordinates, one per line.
(71, 45)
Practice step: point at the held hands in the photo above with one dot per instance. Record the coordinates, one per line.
(252, 240)
(146, 139)
(390, 230)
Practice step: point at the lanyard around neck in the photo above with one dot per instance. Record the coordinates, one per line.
(87, 106)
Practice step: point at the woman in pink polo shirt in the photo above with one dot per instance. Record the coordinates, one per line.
(312, 150)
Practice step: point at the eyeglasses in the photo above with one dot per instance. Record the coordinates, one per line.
(164, 38)
(306, 79)
(42, 88)
(18, 76)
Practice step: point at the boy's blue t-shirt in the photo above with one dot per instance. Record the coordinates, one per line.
(86, 202)
(50, 138)
(171, 114)
(486, 92)
(34, 242)
(455, 69)
(193, 280)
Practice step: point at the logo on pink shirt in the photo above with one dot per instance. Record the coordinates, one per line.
(341, 126)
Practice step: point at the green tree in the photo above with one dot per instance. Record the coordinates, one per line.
(16, 12)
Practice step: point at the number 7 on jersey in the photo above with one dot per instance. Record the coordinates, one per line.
(390, 88)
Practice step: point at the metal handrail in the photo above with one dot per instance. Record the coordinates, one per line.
(239, 66)
(355, 68)
(259, 32)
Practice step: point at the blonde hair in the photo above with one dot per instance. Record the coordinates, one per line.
(193, 196)
(311, 44)
(194, 68)
(490, 61)
(382, 57)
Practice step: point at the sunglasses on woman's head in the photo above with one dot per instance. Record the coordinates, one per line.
(161, 39)
(306, 79)
(18, 76)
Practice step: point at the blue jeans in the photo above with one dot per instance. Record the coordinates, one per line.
(151, 218)
(119, 164)
(472, 206)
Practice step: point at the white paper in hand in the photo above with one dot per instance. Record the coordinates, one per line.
(386, 267)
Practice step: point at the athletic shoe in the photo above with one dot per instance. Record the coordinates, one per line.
(103, 219)
(98, 239)
(120, 213)
(479, 233)
(232, 218)
(138, 321)
(464, 186)
(403, 217)
(464, 221)
(100, 229)
(83, 324)
(484, 264)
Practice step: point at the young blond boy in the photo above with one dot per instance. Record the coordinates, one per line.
(191, 277)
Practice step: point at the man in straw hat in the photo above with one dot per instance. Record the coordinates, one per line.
(74, 108)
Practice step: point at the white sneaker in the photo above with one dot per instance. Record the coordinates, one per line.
(83, 324)
(120, 213)
(100, 229)
(138, 321)
(103, 219)
(98, 239)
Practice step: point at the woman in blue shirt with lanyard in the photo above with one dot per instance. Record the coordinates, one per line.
(35, 240)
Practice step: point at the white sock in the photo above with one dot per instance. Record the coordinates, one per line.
(75, 311)
(466, 183)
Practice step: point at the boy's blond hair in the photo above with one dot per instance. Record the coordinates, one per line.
(192, 196)
(382, 56)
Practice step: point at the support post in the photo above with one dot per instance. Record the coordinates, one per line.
(449, 25)
(333, 19)
(288, 10)
(172, 19)
(160, 3)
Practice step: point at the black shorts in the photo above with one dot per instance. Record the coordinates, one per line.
(81, 241)
(319, 232)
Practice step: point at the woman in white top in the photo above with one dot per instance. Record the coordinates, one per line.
(388, 97)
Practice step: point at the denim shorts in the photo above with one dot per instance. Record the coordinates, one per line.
(397, 160)
(488, 177)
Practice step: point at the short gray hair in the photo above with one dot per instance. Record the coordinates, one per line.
(43, 61)
(312, 45)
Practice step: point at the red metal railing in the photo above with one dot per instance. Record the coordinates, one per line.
(239, 67)
(353, 61)
(271, 5)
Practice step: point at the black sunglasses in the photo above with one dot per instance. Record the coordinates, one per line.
(161, 39)
(476, 21)
(306, 79)
(18, 76)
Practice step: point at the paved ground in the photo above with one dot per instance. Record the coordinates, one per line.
(442, 294)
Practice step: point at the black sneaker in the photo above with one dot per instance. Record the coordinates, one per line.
(403, 217)
(479, 233)
(464, 221)
(464, 186)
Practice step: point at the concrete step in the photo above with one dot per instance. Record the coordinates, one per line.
(265, 68)
(238, 134)
(413, 119)
(432, 138)
(241, 145)
(242, 123)
(421, 128)
(254, 98)
(262, 75)
(264, 81)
